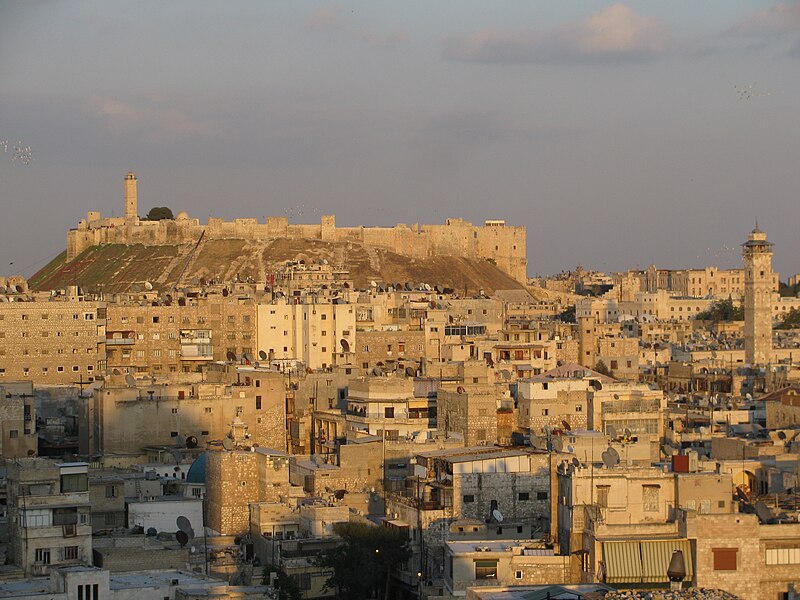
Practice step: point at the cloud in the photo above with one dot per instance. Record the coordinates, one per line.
(778, 19)
(612, 34)
(156, 119)
(324, 18)
(331, 19)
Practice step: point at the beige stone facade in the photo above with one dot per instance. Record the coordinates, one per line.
(52, 342)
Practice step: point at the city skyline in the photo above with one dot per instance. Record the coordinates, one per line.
(619, 134)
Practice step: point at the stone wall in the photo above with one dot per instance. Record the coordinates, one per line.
(504, 245)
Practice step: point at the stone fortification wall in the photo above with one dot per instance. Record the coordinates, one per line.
(505, 245)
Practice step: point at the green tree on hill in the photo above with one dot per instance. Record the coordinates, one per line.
(159, 213)
(722, 310)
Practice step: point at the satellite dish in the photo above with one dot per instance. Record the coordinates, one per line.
(181, 301)
(411, 372)
(373, 284)
(182, 538)
(151, 532)
(764, 513)
(262, 355)
(130, 380)
(377, 371)
(667, 450)
(566, 426)
(741, 495)
(225, 292)
(628, 432)
(575, 462)
(231, 356)
(183, 524)
(191, 442)
(612, 431)
(227, 443)
(115, 372)
(610, 458)
(498, 516)
(460, 390)
(782, 435)
(249, 358)
(557, 444)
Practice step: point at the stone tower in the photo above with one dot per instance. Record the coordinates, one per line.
(757, 254)
(131, 201)
(587, 343)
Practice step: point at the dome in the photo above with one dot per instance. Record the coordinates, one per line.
(197, 472)
(182, 216)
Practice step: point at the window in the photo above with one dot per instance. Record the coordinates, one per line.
(523, 496)
(517, 574)
(724, 559)
(468, 498)
(74, 482)
(111, 491)
(602, 495)
(42, 555)
(13, 433)
(70, 553)
(388, 412)
(783, 556)
(485, 569)
(541, 495)
(650, 497)
(258, 402)
(208, 410)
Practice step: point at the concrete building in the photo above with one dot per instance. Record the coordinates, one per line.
(127, 415)
(18, 436)
(239, 476)
(317, 334)
(471, 411)
(49, 514)
(758, 279)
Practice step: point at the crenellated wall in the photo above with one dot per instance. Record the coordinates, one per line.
(504, 245)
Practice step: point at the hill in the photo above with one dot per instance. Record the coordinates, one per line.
(122, 267)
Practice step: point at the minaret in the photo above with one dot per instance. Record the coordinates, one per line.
(586, 340)
(757, 255)
(131, 208)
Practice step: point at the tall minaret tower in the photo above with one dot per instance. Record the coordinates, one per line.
(131, 208)
(757, 254)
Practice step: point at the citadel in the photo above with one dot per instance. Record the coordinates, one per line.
(179, 423)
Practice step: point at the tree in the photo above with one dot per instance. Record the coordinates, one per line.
(286, 585)
(601, 368)
(159, 213)
(791, 320)
(362, 564)
(722, 310)
(567, 315)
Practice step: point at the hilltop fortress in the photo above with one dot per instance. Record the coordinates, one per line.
(501, 244)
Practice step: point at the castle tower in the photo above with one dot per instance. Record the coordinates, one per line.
(131, 201)
(757, 255)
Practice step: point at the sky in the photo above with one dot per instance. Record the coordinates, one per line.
(620, 134)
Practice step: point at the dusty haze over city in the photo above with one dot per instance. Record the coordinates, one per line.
(619, 134)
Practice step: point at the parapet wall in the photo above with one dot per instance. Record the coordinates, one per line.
(495, 241)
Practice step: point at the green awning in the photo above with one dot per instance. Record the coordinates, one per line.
(656, 556)
(623, 562)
